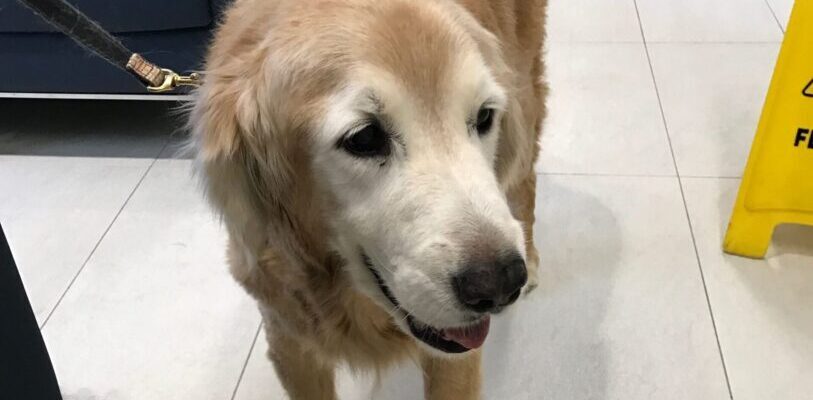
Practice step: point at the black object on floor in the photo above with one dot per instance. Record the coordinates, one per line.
(25, 367)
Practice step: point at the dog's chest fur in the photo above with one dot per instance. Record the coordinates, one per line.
(321, 309)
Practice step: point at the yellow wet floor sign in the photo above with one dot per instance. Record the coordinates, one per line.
(778, 183)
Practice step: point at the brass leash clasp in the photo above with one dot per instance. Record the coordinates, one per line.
(173, 79)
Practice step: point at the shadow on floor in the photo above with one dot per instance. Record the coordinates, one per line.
(781, 282)
(90, 128)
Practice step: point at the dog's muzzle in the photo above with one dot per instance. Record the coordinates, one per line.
(448, 340)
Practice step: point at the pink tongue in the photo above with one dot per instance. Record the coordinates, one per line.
(470, 337)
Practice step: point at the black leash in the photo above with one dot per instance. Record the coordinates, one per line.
(90, 35)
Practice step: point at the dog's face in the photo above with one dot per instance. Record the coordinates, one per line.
(407, 147)
(404, 113)
(420, 215)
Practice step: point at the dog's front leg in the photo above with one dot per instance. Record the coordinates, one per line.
(452, 378)
(303, 377)
(522, 199)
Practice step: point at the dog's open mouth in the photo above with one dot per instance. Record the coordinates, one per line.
(449, 340)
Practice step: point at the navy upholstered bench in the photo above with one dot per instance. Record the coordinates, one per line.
(35, 58)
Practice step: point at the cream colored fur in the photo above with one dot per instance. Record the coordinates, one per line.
(284, 81)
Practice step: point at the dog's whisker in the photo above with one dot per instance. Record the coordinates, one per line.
(383, 265)
(404, 317)
(396, 308)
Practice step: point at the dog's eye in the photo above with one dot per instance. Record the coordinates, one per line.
(485, 118)
(370, 141)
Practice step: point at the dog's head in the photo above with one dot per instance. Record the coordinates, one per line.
(374, 129)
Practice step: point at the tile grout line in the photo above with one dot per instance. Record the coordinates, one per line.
(775, 17)
(245, 363)
(685, 204)
(606, 175)
(713, 42)
(659, 42)
(101, 238)
(709, 177)
(610, 175)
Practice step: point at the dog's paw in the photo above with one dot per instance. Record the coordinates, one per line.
(533, 276)
(529, 288)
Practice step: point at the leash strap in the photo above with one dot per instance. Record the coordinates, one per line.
(93, 37)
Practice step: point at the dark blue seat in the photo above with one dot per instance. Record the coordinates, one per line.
(35, 58)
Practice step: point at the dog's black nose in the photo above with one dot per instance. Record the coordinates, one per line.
(485, 287)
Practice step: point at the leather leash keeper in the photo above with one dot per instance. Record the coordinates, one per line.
(93, 37)
(159, 79)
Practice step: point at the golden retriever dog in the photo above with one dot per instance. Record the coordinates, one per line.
(373, 163)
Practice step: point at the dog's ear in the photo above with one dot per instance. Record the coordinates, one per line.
(254, 168)
(509, 151)
(216, 131)
(220, 122)
(511, 156)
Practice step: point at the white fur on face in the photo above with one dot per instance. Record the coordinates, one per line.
(417, 212)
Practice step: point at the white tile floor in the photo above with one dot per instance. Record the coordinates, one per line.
(653, 107)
